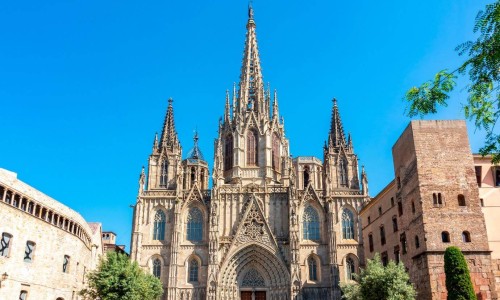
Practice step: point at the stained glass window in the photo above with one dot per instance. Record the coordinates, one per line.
(252, 148)
(194, 224)
(313, 269)
(164, 173)
(193, 270)
(350, 268)
(310, 221)
(347, 224)
(159, 226)
(157, 267)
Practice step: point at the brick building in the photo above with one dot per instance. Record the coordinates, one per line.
(433, 203)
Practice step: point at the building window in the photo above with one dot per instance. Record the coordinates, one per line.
(481, 200)
(382, 235)
(398, 180)
(5, 244)
(392, 201)
(396, 254)
(159, 226)
(400, 208)
(497, 176)
(380, 211)
(310, 222)
(437, 199)
(193, 270)
(202, 179)
(466, 237)
(29, 251)
(370, 242)
(348, 224)
(228, 153)
(313, 269)
(385, 258)
(369, 220)
(413, 207)
(417, 242)
(350, 268)
(276, 153)
(194, 224)
(306, 176)
(23, 295)
(343, 172)
(164, 173)
(193, 176)
(461, 200)
(157, 267)
(402, 239)
(66, 264)
(479, 175)
(445, 237)
(394, 223)
(252, 148)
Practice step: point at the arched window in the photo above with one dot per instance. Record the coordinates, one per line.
(252, 148)
(306, 176)
(466, 237)
(159, 226)
(343, 172)
(193, 176)
(157, 267)
(445, 237)
(348, 224)
(193, 270)
(417, 242)
(202, 179)
(276, 153)
(164, 173)
(310, 223)
(313, 268)
(350, 268)
(461, 200)
(23, 295)
(194, 224)
(228, 153)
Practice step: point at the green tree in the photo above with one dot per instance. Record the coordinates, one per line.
(458, 281)
(482, 67)
(117, 278)
(377, 282)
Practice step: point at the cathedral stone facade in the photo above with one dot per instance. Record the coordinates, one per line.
(271, 227)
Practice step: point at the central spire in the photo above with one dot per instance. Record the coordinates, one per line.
(251, 92)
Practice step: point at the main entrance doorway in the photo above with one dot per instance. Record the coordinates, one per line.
(253, 295)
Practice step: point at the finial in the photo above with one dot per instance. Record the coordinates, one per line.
(195, 138)
(250, 9)
(334, 101)
(170, 100)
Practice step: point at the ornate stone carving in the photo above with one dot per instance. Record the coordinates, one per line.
(253, 279)
(252, 229)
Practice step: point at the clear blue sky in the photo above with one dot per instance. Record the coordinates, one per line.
(84, 84)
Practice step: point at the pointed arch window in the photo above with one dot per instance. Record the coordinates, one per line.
(193, 176)
(276, 153)
(350, 268)
(202, 179)
(252, 148)
(313, 268)
(194, 225)
(159, 226)
(347, 224)
(157, 267)
(164, 173)
(310, 223)
(193, 270)
(343, 172)
(228, 153)
(306, 176)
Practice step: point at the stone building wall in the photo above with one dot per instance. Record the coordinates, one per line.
(57, 231)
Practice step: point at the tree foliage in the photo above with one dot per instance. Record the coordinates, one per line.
(117, 278)
(377, 282)
(458, 282)
(482, 67)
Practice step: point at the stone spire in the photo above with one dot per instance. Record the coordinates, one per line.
(227, 111)
(275, 105)
(251, 87)
(336, 137)
(169, 137)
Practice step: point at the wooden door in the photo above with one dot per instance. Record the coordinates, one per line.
(261, 295)
(246, 295)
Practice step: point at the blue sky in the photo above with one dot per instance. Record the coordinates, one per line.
(84, 84)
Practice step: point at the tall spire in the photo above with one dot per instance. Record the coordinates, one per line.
(275, 105)
(227, 112)
(169, 135)
(251, 87)
(336, 136)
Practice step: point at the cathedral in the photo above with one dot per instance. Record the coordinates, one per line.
(271, 226)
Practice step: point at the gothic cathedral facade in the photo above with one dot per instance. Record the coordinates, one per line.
(271, 226)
